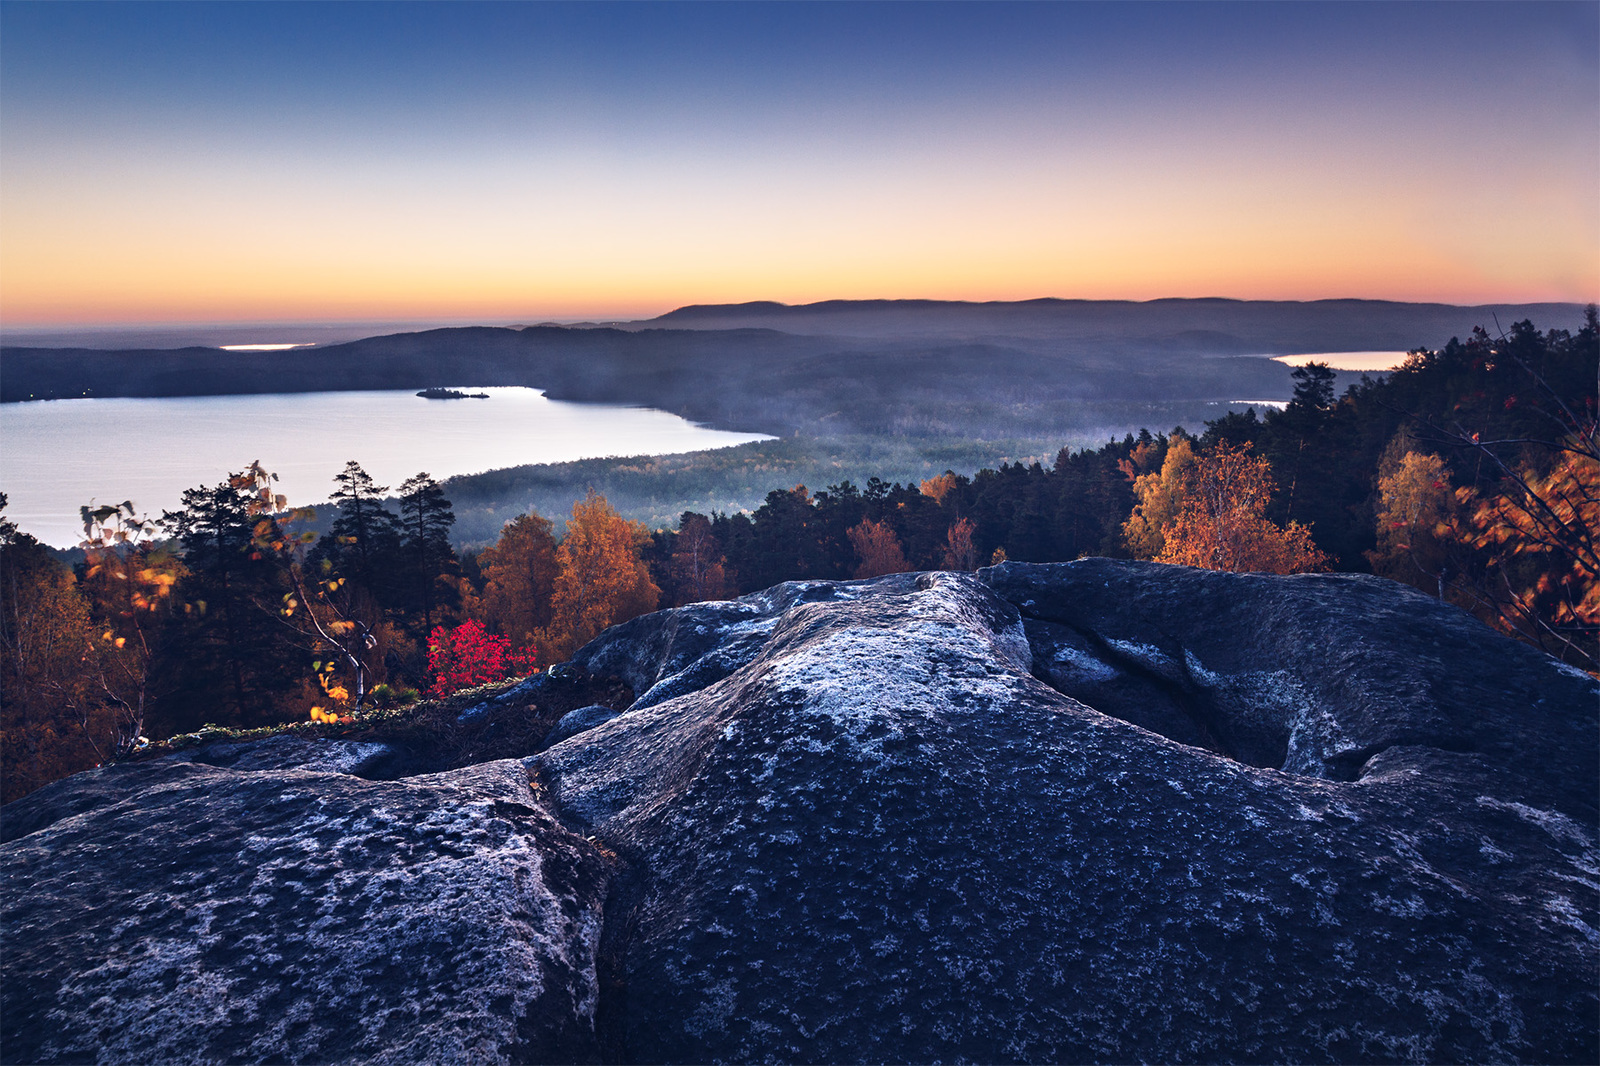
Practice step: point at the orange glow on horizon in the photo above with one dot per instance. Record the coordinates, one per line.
(255, 308)
(147, 254)
(69, 291)
(525, 162)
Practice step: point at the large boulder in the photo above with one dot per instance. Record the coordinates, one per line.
(179, 912)
(885, 834)
(1090, 812)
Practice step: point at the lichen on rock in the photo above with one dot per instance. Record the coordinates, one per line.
(1088, 812)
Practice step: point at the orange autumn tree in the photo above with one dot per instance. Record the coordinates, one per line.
(601, 578)
(878, 548)
(937, 488)
(1160, 495)
(52, 720)
(1418, 533)
(1543, 532)
(959, 552)
(519, 578)
(1222, 523)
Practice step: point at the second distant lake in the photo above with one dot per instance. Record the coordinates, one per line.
(58, 455)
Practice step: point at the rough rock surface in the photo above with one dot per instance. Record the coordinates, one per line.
(1313, 674)
(374, 760)
(1090, 812)
(179, 912)
(877, 835)
(574, 722)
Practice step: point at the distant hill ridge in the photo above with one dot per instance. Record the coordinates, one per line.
(1063, 302)
(920, 368)
(1264, 327)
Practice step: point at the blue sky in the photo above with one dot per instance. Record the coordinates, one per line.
(164, 162)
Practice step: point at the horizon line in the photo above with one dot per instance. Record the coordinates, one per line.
(506, 321)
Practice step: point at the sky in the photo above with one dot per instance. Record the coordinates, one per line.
(511, 162)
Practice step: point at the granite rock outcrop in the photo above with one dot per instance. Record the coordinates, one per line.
(180, 912)
(1098, 811)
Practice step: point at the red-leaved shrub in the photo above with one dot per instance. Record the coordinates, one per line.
(467, 655)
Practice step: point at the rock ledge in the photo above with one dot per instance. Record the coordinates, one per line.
(1087, 812)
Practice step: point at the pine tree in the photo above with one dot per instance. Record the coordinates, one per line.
(425, 520)
(363, 544)
(231, 655)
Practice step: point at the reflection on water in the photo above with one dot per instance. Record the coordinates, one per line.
(61, 454)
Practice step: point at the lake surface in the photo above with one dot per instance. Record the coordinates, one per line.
(1368, 362)
(58, 455)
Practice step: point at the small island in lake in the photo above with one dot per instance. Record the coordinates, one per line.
(451, 394)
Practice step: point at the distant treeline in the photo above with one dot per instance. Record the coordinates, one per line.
(657, 489)
(1472, 473)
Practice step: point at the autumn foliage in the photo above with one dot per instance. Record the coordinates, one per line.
(1160, 495)
(698, 569)
(1418, 530)
(1222, 523)
(51, 722)
(937, 488)
(1541, 534)
(468, 655)
(601, 577)
(878, 548)
(959, 551)
(519, 574)
(128, 580)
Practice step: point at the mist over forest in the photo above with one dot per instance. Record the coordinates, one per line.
(901, 390)
(1036, 369)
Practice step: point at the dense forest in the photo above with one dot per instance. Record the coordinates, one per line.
(1472, 473)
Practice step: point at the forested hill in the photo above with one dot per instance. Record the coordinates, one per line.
(906, 368)
(1205, 326)
(741, 379)
(582, 364)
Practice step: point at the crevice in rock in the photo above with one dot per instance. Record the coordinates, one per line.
(1142, 676)
(577, 1043)
(619, 925)
(1352, 765)
(1183, 711)
(1195, 704)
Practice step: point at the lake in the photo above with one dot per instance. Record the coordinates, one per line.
(61, 454)
(1369, 362)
